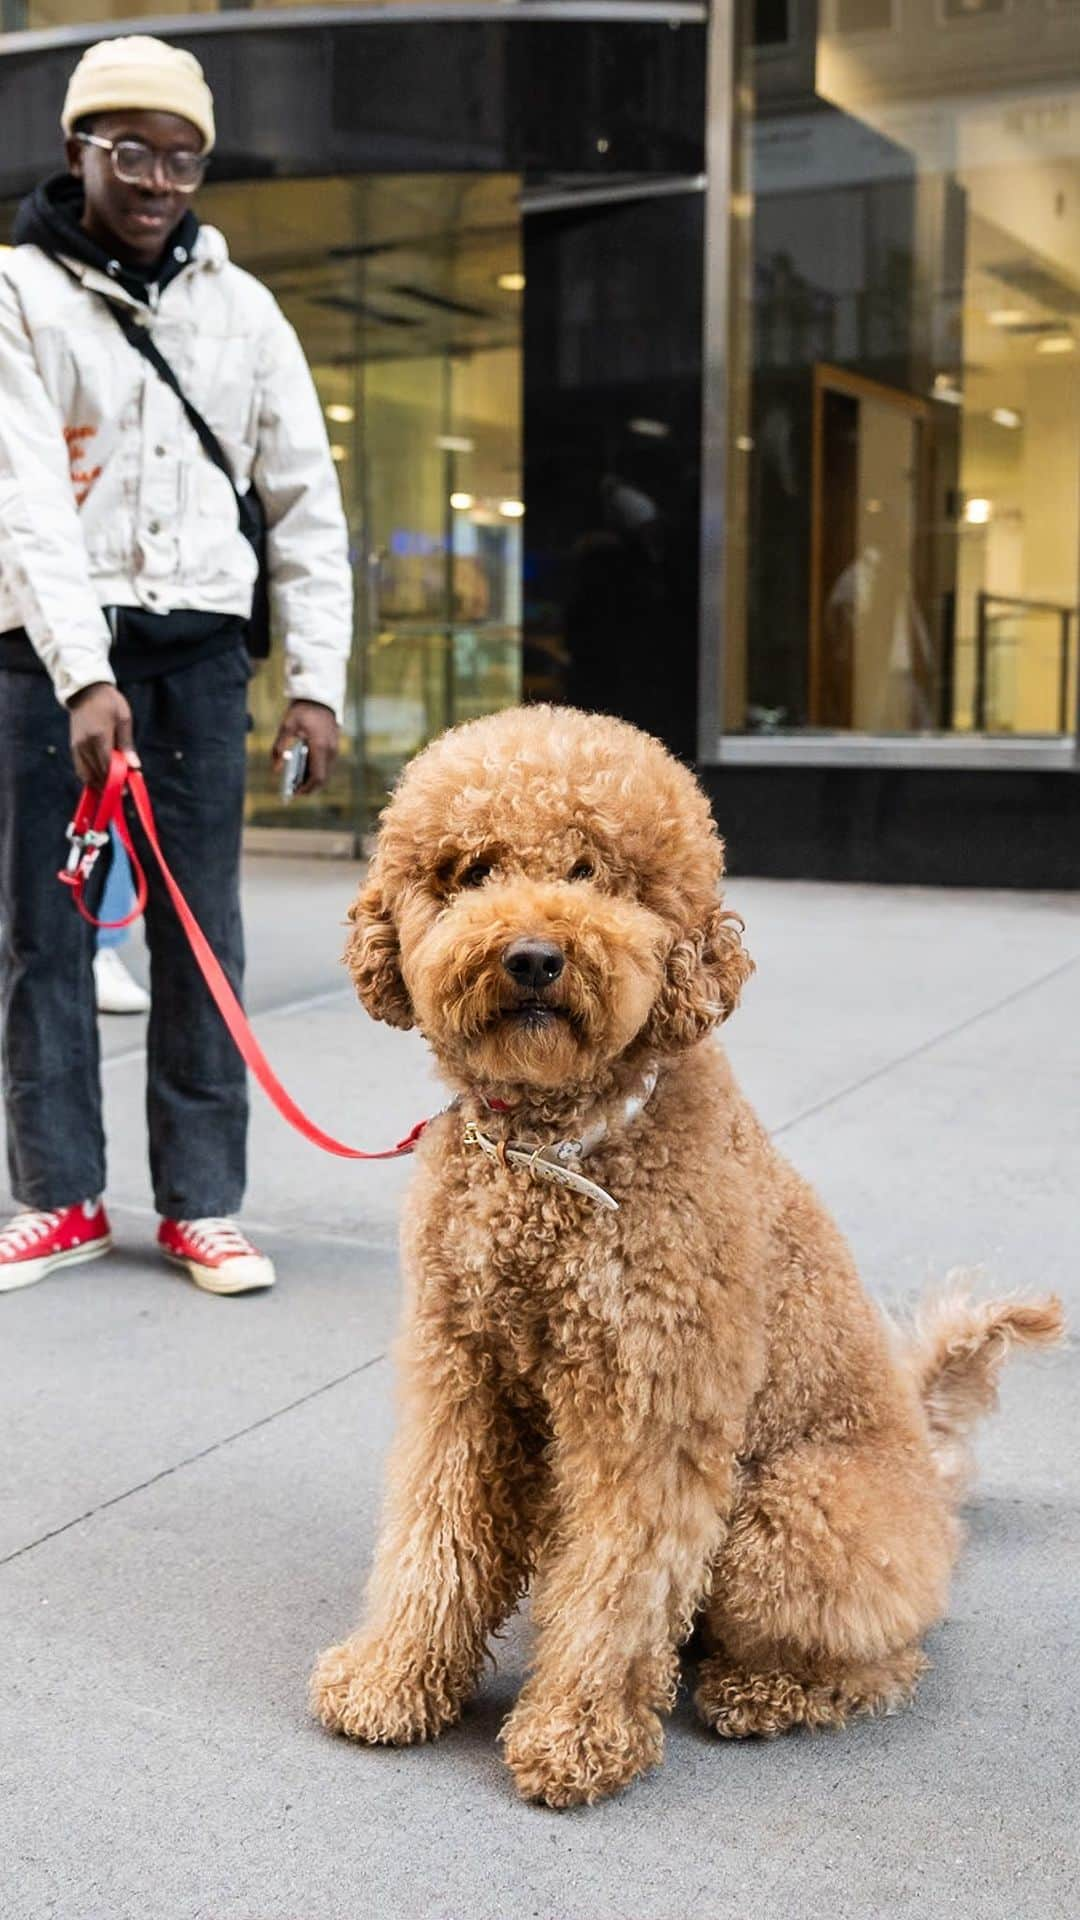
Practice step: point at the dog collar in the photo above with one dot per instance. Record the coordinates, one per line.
(558, 1162)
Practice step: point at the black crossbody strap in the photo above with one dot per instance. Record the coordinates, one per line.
(138, 337)
(250, 512)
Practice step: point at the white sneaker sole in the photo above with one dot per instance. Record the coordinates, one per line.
(25, 1273)
(215, 1280)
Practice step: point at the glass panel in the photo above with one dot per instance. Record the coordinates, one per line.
(442, 639)
(406, 292)
(907, 463)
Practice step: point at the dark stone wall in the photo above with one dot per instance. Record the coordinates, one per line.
(906, 826)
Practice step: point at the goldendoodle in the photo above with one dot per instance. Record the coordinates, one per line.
(640, 1370)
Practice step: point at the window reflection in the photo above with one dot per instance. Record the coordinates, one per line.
(406, 291)
(908, 470)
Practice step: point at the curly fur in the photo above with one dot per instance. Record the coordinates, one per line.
(686, 1413)
(957, 1349)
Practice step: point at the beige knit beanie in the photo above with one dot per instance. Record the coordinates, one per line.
(144, 74)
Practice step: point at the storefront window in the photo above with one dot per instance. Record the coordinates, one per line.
(406, 291)
(907, 462)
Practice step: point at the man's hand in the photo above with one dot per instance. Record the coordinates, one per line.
(307, 720)
(100, 721)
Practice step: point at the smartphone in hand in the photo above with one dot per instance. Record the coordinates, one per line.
(294, 762)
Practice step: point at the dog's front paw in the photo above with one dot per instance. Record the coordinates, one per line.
(381, 1694)
(574, 1751)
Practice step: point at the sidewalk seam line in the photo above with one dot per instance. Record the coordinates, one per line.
(925, 1046)
(132, 1054)
(192, 1459)
(268, 1229)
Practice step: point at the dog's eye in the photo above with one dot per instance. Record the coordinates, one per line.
(582, 870)
(475, 873)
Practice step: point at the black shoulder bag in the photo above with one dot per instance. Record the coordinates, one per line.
(249, 507)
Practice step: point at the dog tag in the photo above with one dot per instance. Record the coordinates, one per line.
(539, 1162)
(564, 1176)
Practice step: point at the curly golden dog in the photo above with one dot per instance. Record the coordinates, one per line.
(640, 1369)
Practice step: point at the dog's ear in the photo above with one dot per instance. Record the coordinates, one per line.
(373, 958)
(704, 976)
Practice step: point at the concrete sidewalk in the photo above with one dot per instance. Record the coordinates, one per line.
(191, 1485)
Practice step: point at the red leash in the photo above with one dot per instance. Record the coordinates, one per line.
(95, 814)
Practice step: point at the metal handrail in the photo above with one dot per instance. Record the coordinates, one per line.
(1066, 616)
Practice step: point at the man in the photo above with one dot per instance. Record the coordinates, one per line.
(126, 582)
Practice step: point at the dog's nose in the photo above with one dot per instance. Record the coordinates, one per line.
(533, 964)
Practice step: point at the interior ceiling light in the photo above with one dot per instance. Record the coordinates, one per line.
(977, 512)
(650, 429)
(945, 389)
(511, 282)
(1056, 343)
(461, 502)
(339, 412)
(338, 452)
(511, 509)
(1007, 317)
(455, 443)
(1007, 417)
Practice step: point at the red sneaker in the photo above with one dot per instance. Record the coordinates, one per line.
(219, 1258)
(32, 1244)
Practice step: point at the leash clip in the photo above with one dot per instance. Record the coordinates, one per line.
(86, 844)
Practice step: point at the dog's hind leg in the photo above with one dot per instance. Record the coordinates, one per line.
(466, 1490)
(835, 1565)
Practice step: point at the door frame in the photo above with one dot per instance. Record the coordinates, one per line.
(856, 386)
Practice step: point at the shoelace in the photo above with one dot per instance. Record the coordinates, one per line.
(216, 1237)
(26, 1230)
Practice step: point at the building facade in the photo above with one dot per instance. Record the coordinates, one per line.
(719, 369)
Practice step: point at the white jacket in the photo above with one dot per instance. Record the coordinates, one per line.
(107, 498)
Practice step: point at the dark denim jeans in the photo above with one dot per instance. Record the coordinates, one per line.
(190, 730)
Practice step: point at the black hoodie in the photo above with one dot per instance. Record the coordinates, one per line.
(49, 218)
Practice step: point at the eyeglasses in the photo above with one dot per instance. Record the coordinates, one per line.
(136, 164)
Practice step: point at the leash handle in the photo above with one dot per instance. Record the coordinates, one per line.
(89, 830)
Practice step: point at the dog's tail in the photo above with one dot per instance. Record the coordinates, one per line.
(956, 1350)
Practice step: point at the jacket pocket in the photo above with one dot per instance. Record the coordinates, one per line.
(213, 547)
